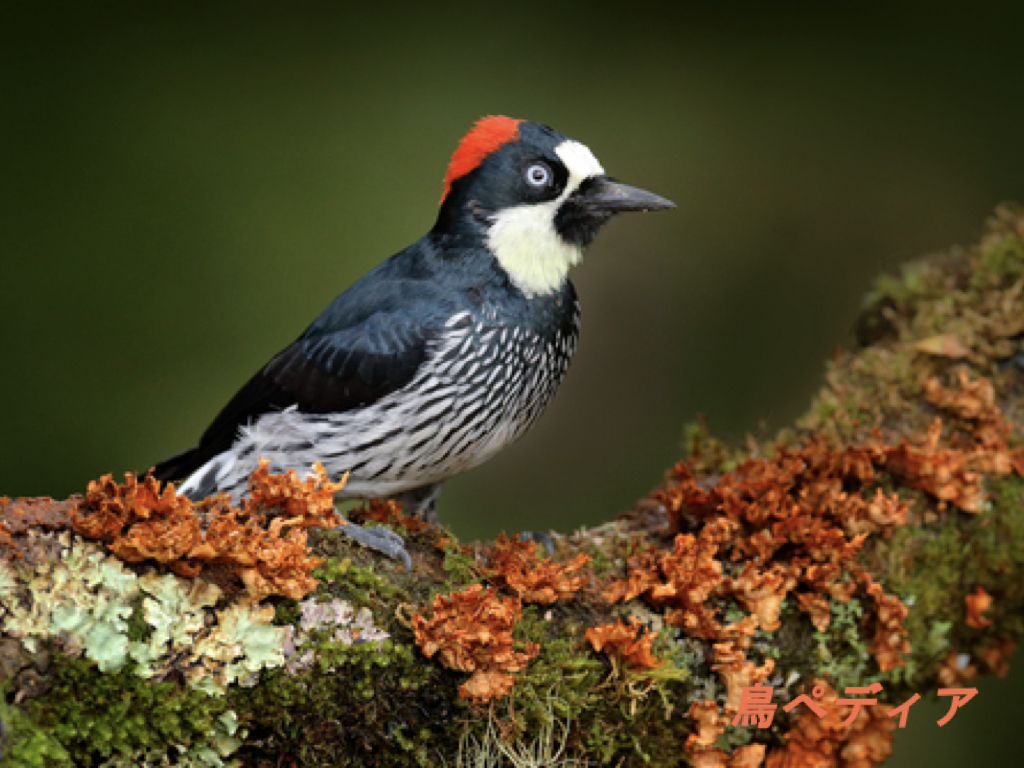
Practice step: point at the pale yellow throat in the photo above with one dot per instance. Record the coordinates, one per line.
(524, 238)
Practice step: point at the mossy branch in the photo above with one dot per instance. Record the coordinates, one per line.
(881, 538)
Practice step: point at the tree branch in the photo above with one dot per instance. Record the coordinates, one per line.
(880, 539)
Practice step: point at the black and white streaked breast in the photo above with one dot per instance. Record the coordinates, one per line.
(484, 383)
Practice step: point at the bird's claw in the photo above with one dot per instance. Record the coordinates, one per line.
(383, 540)
(539, 537)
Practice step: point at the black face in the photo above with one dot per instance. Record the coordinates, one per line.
(577, 222)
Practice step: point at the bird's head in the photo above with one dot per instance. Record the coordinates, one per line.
(536, 196)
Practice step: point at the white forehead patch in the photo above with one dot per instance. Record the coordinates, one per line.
(580, 162)
(524, 239)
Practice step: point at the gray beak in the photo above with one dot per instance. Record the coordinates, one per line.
(604, 194)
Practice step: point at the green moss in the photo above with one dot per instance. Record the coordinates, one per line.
(363, 704)
(332, 569)
(460, 567)
(1000, 261)
(705, 454)
(224, 741)
(287, 611)
(602, 563)
(25, 743)
(841, 652)
(918, 281)
(344, 704)
(637, 719)
(559, 681)
(360, 585)
(138, 631)
(934, 566)
(89, 715)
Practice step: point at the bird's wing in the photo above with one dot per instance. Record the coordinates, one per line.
(367, 344)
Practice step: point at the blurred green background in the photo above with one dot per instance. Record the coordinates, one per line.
(183, 186)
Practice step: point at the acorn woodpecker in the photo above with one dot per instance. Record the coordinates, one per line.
(445, 353)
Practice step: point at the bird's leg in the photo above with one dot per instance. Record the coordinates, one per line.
(382, 539)
(421, 502)
(539, 537)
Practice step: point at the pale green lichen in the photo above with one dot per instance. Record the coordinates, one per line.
(241, 644)
(236, 647)
(85, 601)
(176, 613)
(8, 583)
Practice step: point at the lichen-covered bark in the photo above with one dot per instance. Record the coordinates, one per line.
(881, 538)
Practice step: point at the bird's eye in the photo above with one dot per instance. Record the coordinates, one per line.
(538, 175)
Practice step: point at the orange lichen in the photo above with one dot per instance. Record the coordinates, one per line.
(309, 500)
(644, 574)
(262, 545)
(818, 609)
(471, 631)
(389, 512)
(953, 474)
(110, 508)
(514, 566)
(824, 742)
(750, 756)
(947, 474)
(700, 745)
(738, 673)
(709, 726)
(957, 670)
(996, 658)
(800, 518)
(762, 592)
(977, 604)
(681, 579)
(800, 503)
(972, 400)
(890, 642)
(629, 644)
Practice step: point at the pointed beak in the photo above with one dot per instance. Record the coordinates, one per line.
(602, 194)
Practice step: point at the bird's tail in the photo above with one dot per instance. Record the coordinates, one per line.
(179, 466)
(204, 475)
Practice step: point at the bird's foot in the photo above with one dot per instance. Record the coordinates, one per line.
(539, 537)
(420, 502)
(381, 539)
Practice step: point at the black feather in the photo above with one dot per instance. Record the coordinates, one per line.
(368, 343)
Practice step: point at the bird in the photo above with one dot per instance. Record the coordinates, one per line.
(441, 355)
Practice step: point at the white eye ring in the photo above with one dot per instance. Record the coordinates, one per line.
(538, 175)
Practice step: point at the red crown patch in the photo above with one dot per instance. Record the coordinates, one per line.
(489, 134)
